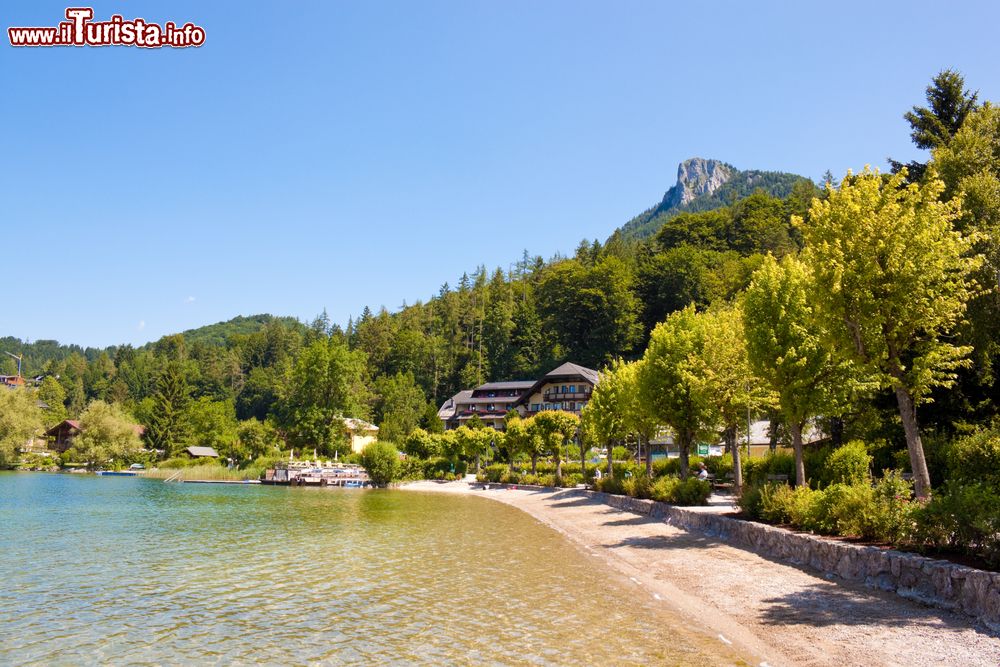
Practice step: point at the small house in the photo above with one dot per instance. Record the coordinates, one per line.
(360, 433)
(61, 435)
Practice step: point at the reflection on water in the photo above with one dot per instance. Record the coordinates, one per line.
(130, 570)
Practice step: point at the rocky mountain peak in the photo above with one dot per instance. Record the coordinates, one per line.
(695, 177)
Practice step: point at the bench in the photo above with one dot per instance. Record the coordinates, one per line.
(724, 484)
(777, 478)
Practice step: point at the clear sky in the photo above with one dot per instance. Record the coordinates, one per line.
(331, 155)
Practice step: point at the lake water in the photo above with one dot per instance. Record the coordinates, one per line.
(127, 570)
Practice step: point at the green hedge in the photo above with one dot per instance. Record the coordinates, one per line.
(880, 512)
(667, 488)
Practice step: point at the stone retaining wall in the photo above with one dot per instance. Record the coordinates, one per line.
(926, 580)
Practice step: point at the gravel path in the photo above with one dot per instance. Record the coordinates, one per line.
(780, 613)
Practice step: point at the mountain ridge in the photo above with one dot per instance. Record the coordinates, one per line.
(704, 184)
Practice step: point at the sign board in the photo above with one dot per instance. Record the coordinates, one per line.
(702, 449)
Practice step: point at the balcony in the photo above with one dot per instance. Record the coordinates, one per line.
(551, 396)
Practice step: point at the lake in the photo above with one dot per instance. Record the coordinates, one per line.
(128, 570)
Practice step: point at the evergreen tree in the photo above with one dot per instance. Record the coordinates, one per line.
(949, 103)
(168, 429)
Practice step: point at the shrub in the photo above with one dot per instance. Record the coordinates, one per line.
(720, 466)
(692, 491)
(628, 469)
(411, 468)
(493, 473)
(774, 502)
(670, 466)
(845, 509)
(848, 464)
(663, 467)
(546, 480)
(614, 485)
(381, 462)
(664, 488)
(891, 516)
(976, 459)
(965, 517)
(807, 510)
(756, 470)
(571, 480)
(751, 501)
(638, 486)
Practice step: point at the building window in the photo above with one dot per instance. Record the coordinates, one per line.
(572, 389)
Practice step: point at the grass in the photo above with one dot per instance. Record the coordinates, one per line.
(213, 473)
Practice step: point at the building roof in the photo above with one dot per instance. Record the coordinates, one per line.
(72, 423)
(508, 384)
(353, 424)
(567, 371)
(202, 451)
(573, 370)
(449, 407)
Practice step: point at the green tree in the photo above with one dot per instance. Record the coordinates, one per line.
(257, 438)
(970, 168)
(727, 377)
(381, 461)
(592, 311)
(107, 433)
(786, 348)
(20, 421)
(667, 382)
(603, 421)
(555, 427)
(892, 278)
(421, 444)
(518, 437)
(326, 383)
(399, 406)
(949, 103)
(168, 431)
(213, 424)
(53, 395)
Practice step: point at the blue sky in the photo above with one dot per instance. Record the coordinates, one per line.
(331, 155)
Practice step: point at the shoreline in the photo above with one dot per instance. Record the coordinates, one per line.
(777, 612)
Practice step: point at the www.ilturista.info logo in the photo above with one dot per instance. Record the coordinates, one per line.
(81, 30)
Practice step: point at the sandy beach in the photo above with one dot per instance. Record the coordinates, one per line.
(776, 613)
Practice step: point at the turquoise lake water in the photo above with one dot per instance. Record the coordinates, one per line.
(128, 570)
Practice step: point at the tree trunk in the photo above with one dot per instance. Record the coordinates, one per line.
(685, 447)
(534, 464)
(772, 434)
(649, 459)
(836, 431)
(918, 464)
(558, 457)
(800, 466)
(611, 468)
(583, 460)
(734, 449)
(477, 463)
